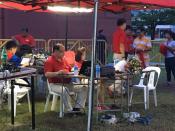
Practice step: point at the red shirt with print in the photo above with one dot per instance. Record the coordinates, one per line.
(119, 36)
(25, 40)
(53, 65)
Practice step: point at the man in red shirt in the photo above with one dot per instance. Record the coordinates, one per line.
(119, 39)
(129, 42)
(25, 38)
(56, 65)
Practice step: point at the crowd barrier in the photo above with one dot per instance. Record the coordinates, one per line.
(101, 48)
(74, 44)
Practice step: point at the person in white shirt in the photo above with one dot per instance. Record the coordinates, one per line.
(170, 56)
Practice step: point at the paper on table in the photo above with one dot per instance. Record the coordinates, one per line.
(25, 61)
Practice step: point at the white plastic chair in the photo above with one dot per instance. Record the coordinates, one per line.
(19, 92)
(151, 84)
(54, 100)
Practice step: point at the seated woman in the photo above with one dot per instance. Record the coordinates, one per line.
(80, 56)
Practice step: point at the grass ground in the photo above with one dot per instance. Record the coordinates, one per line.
(163, 116)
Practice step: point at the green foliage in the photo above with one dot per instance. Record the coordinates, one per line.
(151, 18)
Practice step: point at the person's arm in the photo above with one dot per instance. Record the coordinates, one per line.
(136, 50)
(49, 72)
(148, 46)
(172, 48)
(16, 60)
(54, 74)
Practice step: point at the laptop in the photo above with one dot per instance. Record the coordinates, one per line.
(106, 71)
(85, 68)
(27, 61)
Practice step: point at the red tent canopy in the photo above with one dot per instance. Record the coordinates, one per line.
(105, 5)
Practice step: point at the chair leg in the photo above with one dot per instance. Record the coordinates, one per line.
(145, 99)
(148, 99)
(61, 108)
(131, 96)
(47, 103)
(28, 98)
(54, 101)
(155, 97)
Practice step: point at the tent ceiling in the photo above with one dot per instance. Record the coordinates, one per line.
(105, 5)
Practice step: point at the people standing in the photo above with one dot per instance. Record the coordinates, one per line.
(119, 39)
(142, 46)
(170, 56)
(129, 41)
(25, 38)
(26, 42)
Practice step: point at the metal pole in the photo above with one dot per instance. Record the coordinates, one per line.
(66, 35)
(91, 89)
(33, 101)
(12, 102)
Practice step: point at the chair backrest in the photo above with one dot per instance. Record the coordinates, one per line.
(152, 71)
(142, 79)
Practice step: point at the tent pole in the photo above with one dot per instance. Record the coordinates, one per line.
(91, 88)
(66, 35)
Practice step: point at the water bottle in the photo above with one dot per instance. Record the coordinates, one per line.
(75, 70)
(97, 71)
(3, 57)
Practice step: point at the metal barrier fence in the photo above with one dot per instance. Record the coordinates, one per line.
(40, 44)
(101, 48)
(74, 44)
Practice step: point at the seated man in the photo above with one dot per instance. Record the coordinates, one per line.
(56, 65)
(11, 48)
(111, 89)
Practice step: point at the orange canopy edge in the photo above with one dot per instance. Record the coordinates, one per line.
(105, 5)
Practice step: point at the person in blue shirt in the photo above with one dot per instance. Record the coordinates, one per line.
(11, 47)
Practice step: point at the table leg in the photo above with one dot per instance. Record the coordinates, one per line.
(122, 83)
(12, 101)
(33, 101)
(128, 88)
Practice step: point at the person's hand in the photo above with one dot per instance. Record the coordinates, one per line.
(139, 50)
(61, 72)
(25, 65)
